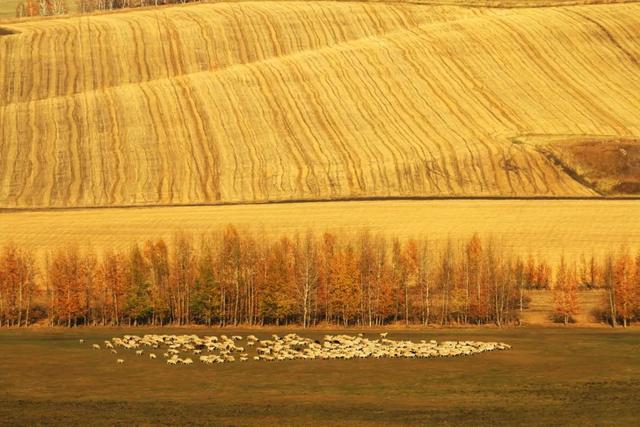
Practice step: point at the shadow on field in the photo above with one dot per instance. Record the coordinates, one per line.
(6, 31)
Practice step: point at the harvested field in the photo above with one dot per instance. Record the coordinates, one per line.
(307, 100)
(546, 228)
(553, 376)
(8, 9)
(541, 307)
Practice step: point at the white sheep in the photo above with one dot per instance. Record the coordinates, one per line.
(120, 361)
(96, 347)
(152, 356)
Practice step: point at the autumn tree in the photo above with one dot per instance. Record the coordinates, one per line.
(230, 277)
(307, 274)
(423, 282)
(69, 274)
(278, 301)
(408, 273)
(182, 277)
(113, 278)
(17, 285)
(565, 293)
(327, 253)
(138, 304)
(474, 256)
(346, 289)
(445, 281)
(250, 277)
(157, 258)
(205, 299)
(382, 305)
(624, 276)
(520, 281)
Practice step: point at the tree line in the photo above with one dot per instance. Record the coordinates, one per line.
(231, 277)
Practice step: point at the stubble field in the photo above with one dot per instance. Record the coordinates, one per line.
(546, 229)
(244, 102)
(276, 101)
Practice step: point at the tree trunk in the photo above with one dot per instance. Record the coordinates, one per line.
(406, 302)
(20, 287)
(612, 306)
(28, 309)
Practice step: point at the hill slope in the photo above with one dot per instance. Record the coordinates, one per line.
(546, 229)
(264, 101)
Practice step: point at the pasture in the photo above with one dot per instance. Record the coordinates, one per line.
(543, 228)
(551, 376)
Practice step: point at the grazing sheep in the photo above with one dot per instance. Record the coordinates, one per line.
(81, 341)
(120, 361)
(96, 347)
(295, 347)
(114, 351)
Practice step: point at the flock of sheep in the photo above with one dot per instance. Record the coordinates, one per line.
(183, 349)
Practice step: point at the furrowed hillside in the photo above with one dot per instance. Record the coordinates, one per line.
(275, 101)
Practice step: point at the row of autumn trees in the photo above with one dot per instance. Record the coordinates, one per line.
(232, 277)
(59, 7)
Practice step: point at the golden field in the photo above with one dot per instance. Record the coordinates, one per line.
(543, 228)
(8, 9)
(273, 101)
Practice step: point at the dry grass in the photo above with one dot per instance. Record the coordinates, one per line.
(553, 376)
(608, 164)
(256, 101)
(8, 9)
(542, 304)
(543, 228)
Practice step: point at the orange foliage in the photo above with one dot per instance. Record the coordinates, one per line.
(232, 277)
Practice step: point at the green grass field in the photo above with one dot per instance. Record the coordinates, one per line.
(552, 376)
